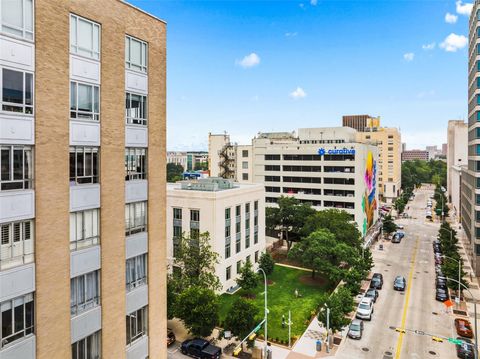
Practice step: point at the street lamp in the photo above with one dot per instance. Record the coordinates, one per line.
(458, 261)
(327, 344)
(474, 311)
(266, 310)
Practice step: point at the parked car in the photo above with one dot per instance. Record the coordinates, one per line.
(437, 249)
(200, 348)
(170, 337)
(463, 327)
(372, 293)
(396, 238)
(376, 283)
(400, 226)
(401, 234)
(441, 295)
(465, 350)
(399, 283)
(365, 309)
(355, 330)
(378, 275)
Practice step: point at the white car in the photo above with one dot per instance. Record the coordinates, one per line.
(365, 309)
(399, 226)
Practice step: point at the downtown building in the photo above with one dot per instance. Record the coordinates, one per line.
(413, 155)
(470, 179)
(82, 180)
(457, 159)
(326, 167)
(233, 214)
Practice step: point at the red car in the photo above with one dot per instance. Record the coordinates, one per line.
(463, 327)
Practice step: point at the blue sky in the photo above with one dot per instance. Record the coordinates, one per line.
(250, 66)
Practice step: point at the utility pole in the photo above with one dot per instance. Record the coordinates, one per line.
(328, 330)
(289, 328)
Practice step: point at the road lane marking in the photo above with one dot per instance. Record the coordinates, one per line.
(407, 298)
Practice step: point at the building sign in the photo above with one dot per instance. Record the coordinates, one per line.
(343, 151)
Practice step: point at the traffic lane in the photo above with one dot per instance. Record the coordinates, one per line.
(377, 338)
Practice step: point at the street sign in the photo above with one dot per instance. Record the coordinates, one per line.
(437, 339)
(400, 330)
(455, 341)
(257, 328)
(448, 303)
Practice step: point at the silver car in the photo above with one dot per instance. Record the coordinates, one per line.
(355, 330)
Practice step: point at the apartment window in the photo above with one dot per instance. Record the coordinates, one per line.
(84, 229)
(16, 244)
(245, 176)
(247, 208)
(194, 215)
(255, 237)
(84, 165)
(245, 165)
(272, 157)
(227, 213)
(136, 270)
(84, 101)
(239, 267)
(194, 223)
(136, 109)
(135, 217)
(135, 163)
(244, 153)
(256, 257)
(227, 250)
(84, 292)
(17, 91)
(238, 211)
(87, 348)
(16, 167)
(137, 325)
(247, 240)
(248, 259)
(228, 273)
(177, 213)
(227, 231)
(135, 54)
(17, 18)
(255, 206)
(17, 319)
(84, 37)
(238, 243)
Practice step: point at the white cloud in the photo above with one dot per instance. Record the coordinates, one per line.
(463, 8)
(248, 61)
(291, 34)
(298, 93)
(453, 42)
(314, 2)
(302, 5)
(428, 46)
(450, 18)
(409, 56)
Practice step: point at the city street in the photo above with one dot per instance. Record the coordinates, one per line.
(416, 308)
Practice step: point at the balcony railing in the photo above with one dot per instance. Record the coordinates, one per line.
(16, 254)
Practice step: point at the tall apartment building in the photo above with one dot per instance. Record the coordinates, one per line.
(457, 156)
(360, 122)
(233, 214)
(412, 155)
(80, 149)
(389, 143)
(326, 167)
(229, 160)
(470, 185)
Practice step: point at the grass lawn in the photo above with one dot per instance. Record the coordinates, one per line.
(281, 298)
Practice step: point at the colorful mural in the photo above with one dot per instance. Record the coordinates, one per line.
(369, 203)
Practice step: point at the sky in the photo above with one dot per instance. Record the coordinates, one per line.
(244, 67)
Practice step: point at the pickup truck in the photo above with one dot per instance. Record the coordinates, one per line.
(200, 348)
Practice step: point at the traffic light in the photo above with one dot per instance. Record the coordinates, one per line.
(252, 336)
(237, 352)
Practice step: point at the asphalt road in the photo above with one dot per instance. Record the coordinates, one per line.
(416, 308)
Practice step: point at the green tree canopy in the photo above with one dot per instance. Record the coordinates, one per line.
(247, 279)
(340, 304)
(174, 172)
(267, 263)
(389, 225)
(241, 318)
(417, 172)
(198, 307)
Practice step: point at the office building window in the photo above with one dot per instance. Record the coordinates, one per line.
(255, 237)
(239, 266)
(135, 217)
(135, 163)
(238, 210)
(17, 91)
(136, 272)
(238, 243)
(177, 213)
(84, 229)
(84, 165)
(17, 318)
(227, 250)
(247, 240)
(17, 18)
(135, 54)
(228, 273)
(256, 257)
(16, 167)
(255, 206)
(244, 153)
(272, 167)
(84, 292)
(84, 37)
(137, 325)
(245, 165)
(16, 244)
(194, 223)
(136, 109)
(227, 231)
(272, 157)
(194, 215)
(87, 348)
(245, 176)
(227, 213)
(248, 259)
(84, 101)
(272, 178)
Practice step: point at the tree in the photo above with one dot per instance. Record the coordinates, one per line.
(201, 166)
(195, 262)
(247, 279)
(197, 307)
(171, 297)
(174, 172)
(241, 318)
(267, 263)
(400, 205)
(388, 225)
(340, 304)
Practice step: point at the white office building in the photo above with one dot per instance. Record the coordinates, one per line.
(326, 167)
(232, 213)
(457, 156)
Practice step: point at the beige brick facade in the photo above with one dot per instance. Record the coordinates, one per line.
(52, 179)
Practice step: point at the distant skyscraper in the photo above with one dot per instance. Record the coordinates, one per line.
(404, 146)
(360, 122)
(457, 157)
(444, 149)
